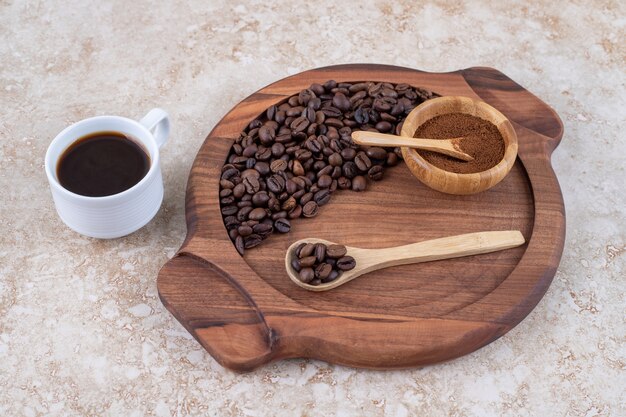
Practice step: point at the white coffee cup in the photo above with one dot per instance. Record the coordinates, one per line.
(118, 214)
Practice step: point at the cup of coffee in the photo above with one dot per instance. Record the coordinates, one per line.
(105, 173)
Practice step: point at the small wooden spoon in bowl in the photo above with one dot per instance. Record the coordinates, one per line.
(368, 260)
(448, 147)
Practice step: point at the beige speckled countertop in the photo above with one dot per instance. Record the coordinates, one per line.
(82, 331)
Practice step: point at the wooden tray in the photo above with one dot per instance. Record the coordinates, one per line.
(246, 312)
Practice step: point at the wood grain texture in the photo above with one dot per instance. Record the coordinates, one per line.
(246, 312)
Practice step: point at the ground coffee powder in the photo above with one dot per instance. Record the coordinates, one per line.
(482, 141)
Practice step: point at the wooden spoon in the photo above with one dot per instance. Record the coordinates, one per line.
(448, 147)
(368, 260)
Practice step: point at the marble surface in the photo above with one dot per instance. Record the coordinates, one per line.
(82, 331)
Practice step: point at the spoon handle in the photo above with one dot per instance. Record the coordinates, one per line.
(436, 249)
(444, 146)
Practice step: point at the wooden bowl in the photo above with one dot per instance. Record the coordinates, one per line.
(451, 182)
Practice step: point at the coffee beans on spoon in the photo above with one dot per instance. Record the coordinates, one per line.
(290, 160)
(317, 263)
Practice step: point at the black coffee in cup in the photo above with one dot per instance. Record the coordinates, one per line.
(101, 164)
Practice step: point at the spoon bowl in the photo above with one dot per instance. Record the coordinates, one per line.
(368, 260)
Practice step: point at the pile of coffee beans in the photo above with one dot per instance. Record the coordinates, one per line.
(291, 159)
(317, 263)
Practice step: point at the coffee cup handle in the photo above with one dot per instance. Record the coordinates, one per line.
(158, 123)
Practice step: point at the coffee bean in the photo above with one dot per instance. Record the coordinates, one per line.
(335, 159)
(225, 184)
(251, 184)
(257, 214)
(280, 117)
(299, 248)
(271, 112)
(333, 122)
(362, 161)
(255, 124)
(263, 168)
(306, 275)
(278, 165)
(324, 181)
(322, 271)
(343, 183)
(252, 173)
(229, 210)
(327, 170)
(295, 264)
(383, 126)
(309, 114)
(336, 251)
(230, 173)
(307, 261)
(305, 96)
(295, 212)
(266, 135)
(313, 145)
(331, 112)
(341, 102)
(282, 225)
(228, 200)
(348, 154)
(242, 214)
(355, 88)
(283, 138)
(244, 230)
(321, 197)
(375, 173)
(260, 199)
(392, 159)
(350, 170)
(231, 222)
(303, 155)
(320, 252)
(315, 103)
(359, 183)
(289, 203)
(306, 250)
(250, 150)
(273, 204)
(263, 154)
(294, 111)
(252, 241)
(299, 124)
(331, 277)
(376, 153)
(276, 183)
(346, 263)
(310, 209)
(239, 245)
(300, 182)
(279, 215)
(278, 149)
(244, 203)
(263, 229)
(318, 89)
